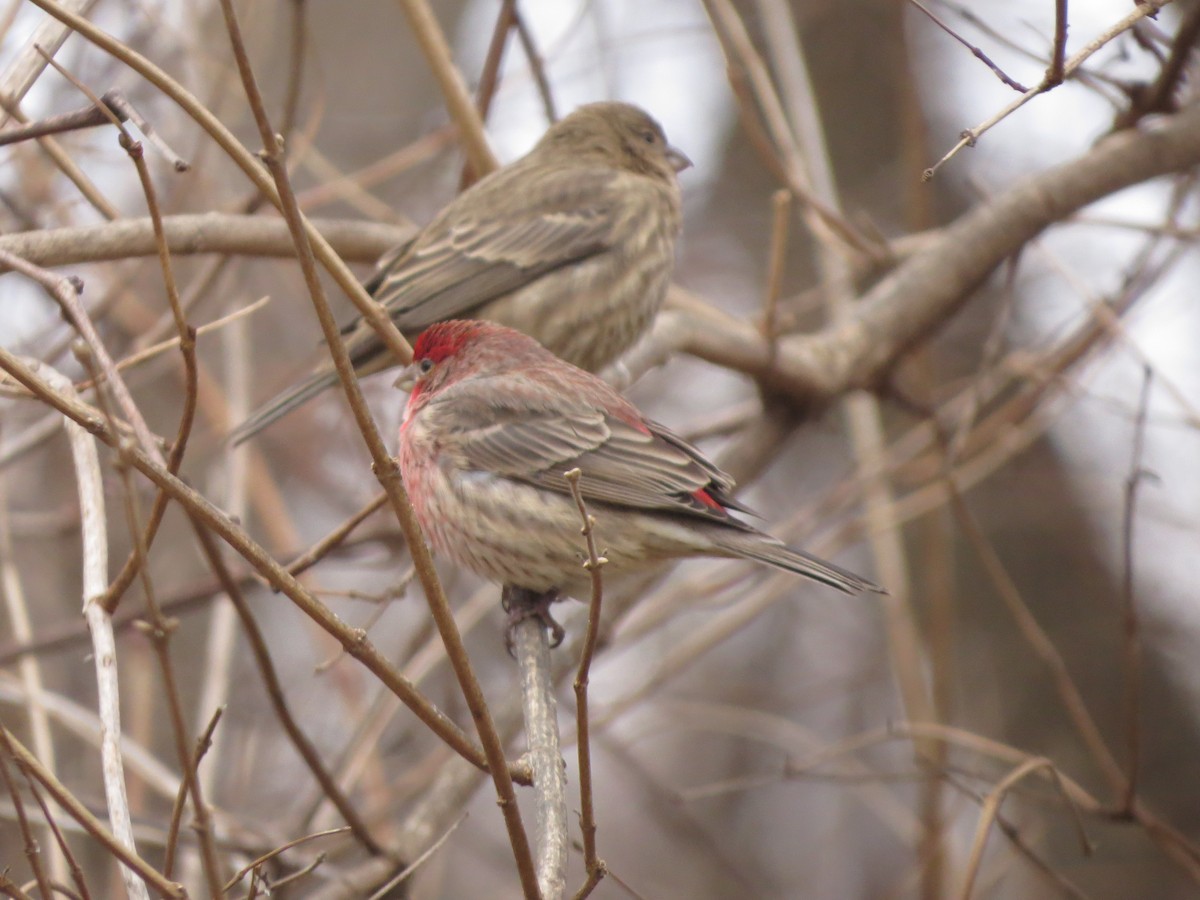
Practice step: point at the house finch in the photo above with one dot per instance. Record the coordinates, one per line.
(493, 423)
(573, 244)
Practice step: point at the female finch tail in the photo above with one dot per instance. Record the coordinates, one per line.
(761, 548)
(280, 406)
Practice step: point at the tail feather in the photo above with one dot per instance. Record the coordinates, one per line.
(761, 548)
(282, 404)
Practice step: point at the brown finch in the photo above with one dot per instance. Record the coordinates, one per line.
(573, 244)
(494, 421)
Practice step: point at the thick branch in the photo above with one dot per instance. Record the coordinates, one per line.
(219, 233)
(932, 285)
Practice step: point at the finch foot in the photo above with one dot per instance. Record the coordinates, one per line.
(522, 604)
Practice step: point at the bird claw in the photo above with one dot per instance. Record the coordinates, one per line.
(522, 604)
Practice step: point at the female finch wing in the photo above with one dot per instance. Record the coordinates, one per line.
(640, 466)
(521, 229)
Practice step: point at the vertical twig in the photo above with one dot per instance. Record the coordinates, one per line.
(594, 866)
(385, 467)
(537, 66)
(159, 629)
(32, 853)
(991, 808)
(1058, 56)
(781, 211)
(274, 687)
(203, 742)
(29, 668)
(863, 416)
(490, 74)
(489, 77)
(1132, 639)
(63, 847)
(186, 334)
(94, 529)
(197, 504)
(31, 767)
(531, 647)
(454, 90)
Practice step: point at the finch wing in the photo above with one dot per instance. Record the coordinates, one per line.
(478, 251)
(631, 463)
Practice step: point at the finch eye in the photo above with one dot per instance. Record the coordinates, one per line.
(425, 365)
(649, 137)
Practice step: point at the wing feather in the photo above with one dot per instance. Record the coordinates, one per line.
(466, 258)
(640, 466)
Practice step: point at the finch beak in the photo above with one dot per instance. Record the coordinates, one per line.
(678, 159)
(407, 379)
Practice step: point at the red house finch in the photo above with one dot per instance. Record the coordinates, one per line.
(573, 244)
(493, 423)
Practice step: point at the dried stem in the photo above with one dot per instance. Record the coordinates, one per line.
(1054, 75)
(266, 668)
(595, 867)
(32, 851)
(991, 808)
(1132, 637)
(30, 765)
(531, 647)
(385, 467)
(355, 643)
(104, 649)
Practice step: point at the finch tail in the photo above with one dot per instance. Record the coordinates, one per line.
(282, 404)
(761, 548)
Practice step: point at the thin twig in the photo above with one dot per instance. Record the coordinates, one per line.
(12, 889)
(32, 851)
(975, 51)
(30, 765)
(30, 668)
(972, 135)
(594, 866)
(537, 66)
(1037, 638)
(61, 841)
(283, 848)
(489, 74)
(355, 643)
(386, 889)
(203, 743)
(317, 551)
(991, 808)
(781, 210)
(94, 531)
(1132, 639)
(385, 466)
(462, 110)
(158, 628)
(1058, 53)
(266, 668)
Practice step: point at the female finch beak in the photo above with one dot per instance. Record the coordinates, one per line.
(678, 159)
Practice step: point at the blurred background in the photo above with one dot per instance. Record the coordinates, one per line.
(750, 732)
